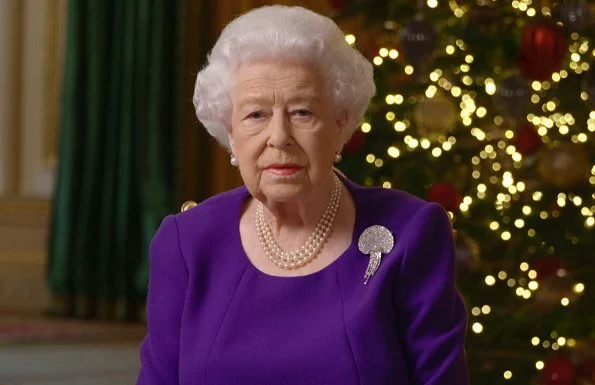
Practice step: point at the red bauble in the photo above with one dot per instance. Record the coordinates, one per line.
(543, 49)
(546, 267)
(370, 41)
(527, 140)
(355, 142)
(339, 5)
(445, 194)
(370, 51)
(558, 370)
(586, 369)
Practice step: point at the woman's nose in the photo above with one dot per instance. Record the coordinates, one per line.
(279, 131)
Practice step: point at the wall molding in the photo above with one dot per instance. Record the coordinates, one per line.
(25, 206)
(52, 84)
(22, 258)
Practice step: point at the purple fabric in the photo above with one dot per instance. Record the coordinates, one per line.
(213, 318)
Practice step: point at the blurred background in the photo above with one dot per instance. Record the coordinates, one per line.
(89, 88)
(484, 106)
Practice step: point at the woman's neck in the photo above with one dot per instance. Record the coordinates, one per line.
(298, 218)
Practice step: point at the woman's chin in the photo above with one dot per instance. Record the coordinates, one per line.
(283, 193)
(283, 190)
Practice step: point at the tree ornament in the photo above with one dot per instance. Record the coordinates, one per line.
(494, 132)
(576, 15)
(485, 17)
(467, 253)
(586, 370)
(558, 370)
(435, 116)
(551, 291)
(565, 166)
(418, 41)
(542, 51)
(583, 353)
(371, 40)
(555, 283)
(513, 97)
(355, 142)
(446, 195)
(589, 86)
(338, 5)
(546, 267)
(527, 140)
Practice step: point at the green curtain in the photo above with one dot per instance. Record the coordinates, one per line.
(117, 158)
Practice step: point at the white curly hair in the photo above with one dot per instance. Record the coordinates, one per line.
(282, 33)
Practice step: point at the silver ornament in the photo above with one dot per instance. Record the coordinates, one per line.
(513, 97)
(576, 15)
(418, 39)
(589, 86)
(375, 241)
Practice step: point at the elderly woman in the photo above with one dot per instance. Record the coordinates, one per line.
(302, 276)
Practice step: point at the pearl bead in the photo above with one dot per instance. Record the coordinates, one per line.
(306, 253)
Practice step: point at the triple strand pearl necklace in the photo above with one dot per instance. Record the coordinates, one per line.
(296, 259)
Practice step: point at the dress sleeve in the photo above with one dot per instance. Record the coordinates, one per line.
(432, 315)
(168, 278)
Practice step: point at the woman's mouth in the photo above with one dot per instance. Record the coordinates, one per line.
(284, 169)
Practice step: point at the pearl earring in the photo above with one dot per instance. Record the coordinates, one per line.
(338, 157)
(234, 161)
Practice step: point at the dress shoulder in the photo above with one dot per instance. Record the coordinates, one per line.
(387, 205)
(213, 219)
(215, 204)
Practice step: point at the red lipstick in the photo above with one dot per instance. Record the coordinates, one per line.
(284, 169)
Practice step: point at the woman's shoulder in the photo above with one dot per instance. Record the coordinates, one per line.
(387, 199)
(396, 208)
(214, 210)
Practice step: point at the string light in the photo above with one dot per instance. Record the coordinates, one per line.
(565, 301)
(579, 288)
(496, 166)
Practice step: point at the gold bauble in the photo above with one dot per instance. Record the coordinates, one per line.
(495, 132)
(467, 252)
(564, 166)
(552, 290)
(188, 205)
(435, 116)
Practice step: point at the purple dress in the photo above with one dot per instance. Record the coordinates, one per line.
(214, 319)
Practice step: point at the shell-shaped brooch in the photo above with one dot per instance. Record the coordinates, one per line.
(375, 241)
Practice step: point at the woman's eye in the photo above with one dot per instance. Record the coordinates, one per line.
(302, 113)
(255, 115)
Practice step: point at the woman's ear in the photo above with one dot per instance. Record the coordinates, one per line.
(342, 124)
(231, 143)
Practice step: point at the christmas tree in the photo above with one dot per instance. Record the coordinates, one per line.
(488, 108)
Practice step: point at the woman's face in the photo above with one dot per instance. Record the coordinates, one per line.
(284, 130)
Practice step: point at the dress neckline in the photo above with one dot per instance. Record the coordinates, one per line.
(351, 188)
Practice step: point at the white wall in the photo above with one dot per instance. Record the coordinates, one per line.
(31, 57)
(10, 20)
(31, 50)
